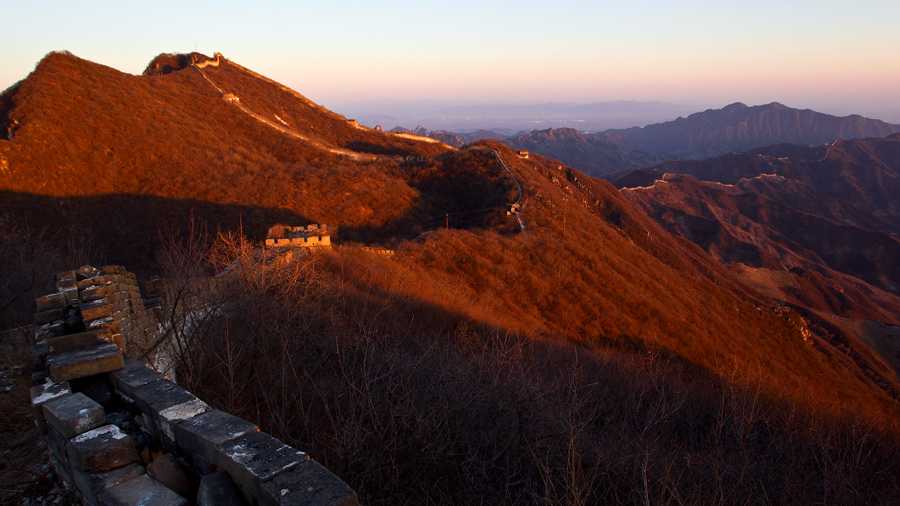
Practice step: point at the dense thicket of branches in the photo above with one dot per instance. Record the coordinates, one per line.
(412, 404)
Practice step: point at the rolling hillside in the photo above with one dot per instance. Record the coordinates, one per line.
(581, 356)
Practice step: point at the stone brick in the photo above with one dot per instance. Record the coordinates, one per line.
(101, 449)
(71, 295)
(65, 275)
(111, 269)
(167, 471)
(168, 404)
(217, 489)
(256, 458)
(62, 470)
(127, 380)
(308, 484)
(204, 432)
(109, 323)
(42, 394)
(39, 354)
(77, 341)
(64, 285)
(95, 310)
(140, 490)
(88, 361)
(86, 272)
(92, 484)
(52, 301)
(56, 443)
(74, 414)
(97, 292)
(49, 330)
(49, 316)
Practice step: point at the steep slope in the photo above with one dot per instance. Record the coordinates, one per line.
(817, 232)
(82, 138)
(738, 127)
(593, 269)
(593, 154)
(855, 183)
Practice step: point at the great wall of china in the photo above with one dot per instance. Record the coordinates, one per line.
(122, 433)
(285, 128)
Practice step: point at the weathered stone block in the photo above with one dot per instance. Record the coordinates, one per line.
(48, 316)
(52, 301)
(44, 393)
(217, 489)
(112, 269)
(65, 275)
(39, 354)
(92, 484)
(203, 433)
(167, 471)
(95, 310)
(56, 443)
(79, 340)
(308, 484)
(64, 472)
(86, 272)
(88, 361)
(65, 285)
(140, 490)
(74, 414)
(101, 449)
(131, 378)
(168, 404)
(256, 458)
(97, 292)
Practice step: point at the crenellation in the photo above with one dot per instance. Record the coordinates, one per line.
(85, 336)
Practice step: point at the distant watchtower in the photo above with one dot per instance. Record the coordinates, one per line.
(285, 236)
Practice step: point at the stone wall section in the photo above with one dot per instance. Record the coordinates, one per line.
(121, 434)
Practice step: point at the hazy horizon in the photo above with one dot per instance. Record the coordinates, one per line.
(823, 56)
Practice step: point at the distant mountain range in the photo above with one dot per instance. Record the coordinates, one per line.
(734, 128)
(738, 127)
(510, 118)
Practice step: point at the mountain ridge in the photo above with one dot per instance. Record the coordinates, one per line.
(738, 127)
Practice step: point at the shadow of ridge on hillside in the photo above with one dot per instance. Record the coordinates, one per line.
(127, 228)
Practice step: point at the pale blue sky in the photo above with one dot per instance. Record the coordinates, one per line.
(836, 57)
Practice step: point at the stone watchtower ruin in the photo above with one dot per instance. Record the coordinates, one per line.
(285, 236)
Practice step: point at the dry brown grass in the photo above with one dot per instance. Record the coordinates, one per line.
(412, 401)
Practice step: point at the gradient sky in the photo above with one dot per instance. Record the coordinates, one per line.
(834, 57)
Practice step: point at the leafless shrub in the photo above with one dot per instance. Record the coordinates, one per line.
(438, 409)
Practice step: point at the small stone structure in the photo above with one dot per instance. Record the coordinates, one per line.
(285, 236)
(123, 434)
(522, 153)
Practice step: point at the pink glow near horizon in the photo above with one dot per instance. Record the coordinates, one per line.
(823, 55)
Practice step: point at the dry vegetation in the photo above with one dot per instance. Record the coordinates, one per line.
(413, 402)
(593, 359)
